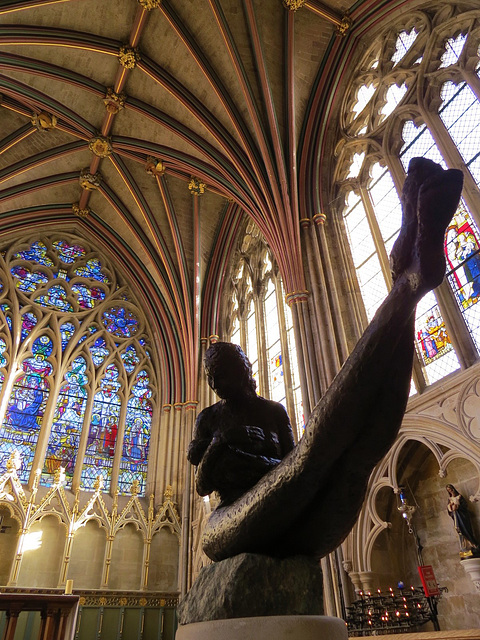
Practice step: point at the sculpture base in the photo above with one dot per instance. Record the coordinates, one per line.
(278, 627)
(472, 567)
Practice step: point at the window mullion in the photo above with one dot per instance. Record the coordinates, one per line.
(377, 236)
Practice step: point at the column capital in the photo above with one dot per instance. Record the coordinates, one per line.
(294, 297)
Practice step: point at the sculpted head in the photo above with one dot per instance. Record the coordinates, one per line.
(228, 370)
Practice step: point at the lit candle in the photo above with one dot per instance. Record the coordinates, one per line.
(68, 587)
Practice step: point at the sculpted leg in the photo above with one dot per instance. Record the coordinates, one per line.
(309, 503)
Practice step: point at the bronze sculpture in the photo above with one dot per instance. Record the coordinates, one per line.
(308, 502)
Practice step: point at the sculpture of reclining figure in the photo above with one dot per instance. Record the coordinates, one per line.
(305, 500)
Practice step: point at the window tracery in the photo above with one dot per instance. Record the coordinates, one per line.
(417, 94)
(261, 322)
(77, 380)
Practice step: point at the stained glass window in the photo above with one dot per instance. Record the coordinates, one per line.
(372, 211)
(135, 444)
(26, 406)
(67, 424)
(274, 349)
(76, 342)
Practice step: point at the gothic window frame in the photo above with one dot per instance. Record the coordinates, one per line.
(362, 131)
(95, 304)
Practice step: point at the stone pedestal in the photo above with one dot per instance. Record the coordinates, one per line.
(252, 585)
(264, 628)
(472, 567)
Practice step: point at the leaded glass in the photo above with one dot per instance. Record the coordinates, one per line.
(29, 320)
(393, 97)
(26, 407)
(88, 297)
(386, 202)
(404, 42)
(36, 253)
(60, 288)
(356, 165)
(99, 351)
(364, 95)
(67, 330)
(133, 465)
(56, 298)
(68, 253)
(103, 430)
(453, 49)
(461, 115)
(3, 348)
(120, 322)
(7, 313)
(27, 280)
(433, 345)
(130, 359)
(93, 269)
(67, 424)
(252, 339)
(274, 351)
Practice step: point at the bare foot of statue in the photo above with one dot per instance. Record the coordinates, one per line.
(429, 199)
(309, 502)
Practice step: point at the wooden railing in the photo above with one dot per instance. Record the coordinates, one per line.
(47, 617)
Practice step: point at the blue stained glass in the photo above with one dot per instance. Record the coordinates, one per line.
(103, 430)
(67, 423)
(88, 297)
(133, 465)
(29, 320)
(26, 406)
(36, 253)
(6, 310)
(67, 253)
(130, 359)
(99, 351)
(66, 331)
(3, 348)
(120, 322)
(93, 269)
(55, 297)
(27, 280)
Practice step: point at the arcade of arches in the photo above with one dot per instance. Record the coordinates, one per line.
(177, 173)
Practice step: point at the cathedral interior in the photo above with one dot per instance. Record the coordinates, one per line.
(178, 172)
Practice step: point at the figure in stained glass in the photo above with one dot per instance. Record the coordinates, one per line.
(36, 253)
(130, 358)
(432, 336)
(66, 331)
(29, 320)
(28, 281)
(93, 269)
(99, 351)
(67, 423)
(138, 421)
(55, 297)
(26, 406)
(462, 247)
(120, 322)
(88, 297)
(68, 253)
(103, 430)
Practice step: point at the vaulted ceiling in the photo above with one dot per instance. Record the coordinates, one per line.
(150, 127)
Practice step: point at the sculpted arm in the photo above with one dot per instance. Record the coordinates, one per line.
(202, 436)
